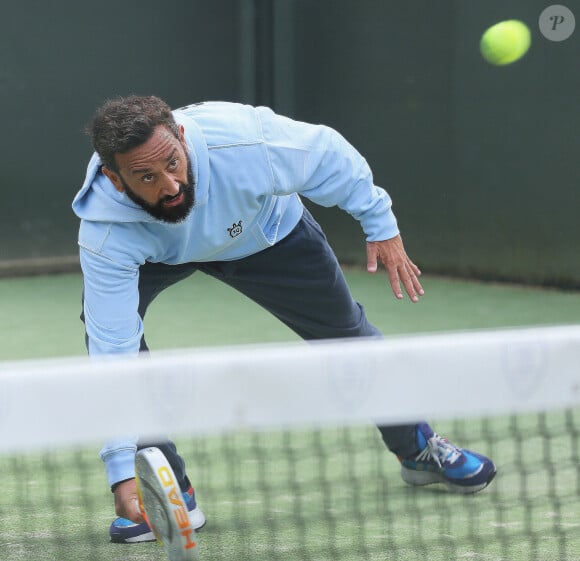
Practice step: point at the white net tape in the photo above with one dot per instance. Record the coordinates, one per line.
(399, 379)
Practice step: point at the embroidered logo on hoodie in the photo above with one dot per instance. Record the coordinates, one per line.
(235, 230)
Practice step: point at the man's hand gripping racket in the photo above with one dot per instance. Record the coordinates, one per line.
(162, 505)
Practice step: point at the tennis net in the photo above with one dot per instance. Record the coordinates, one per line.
(281, 445)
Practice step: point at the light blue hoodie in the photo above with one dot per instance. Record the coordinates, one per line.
(250, 167)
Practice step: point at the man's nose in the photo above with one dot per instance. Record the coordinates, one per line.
(170, 186)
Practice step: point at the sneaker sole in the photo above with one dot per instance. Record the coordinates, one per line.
(196, 517)
(421, 478)
(141, 538)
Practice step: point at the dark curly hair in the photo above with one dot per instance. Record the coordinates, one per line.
(126, 122)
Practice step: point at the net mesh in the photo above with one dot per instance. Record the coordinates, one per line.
(296, 483)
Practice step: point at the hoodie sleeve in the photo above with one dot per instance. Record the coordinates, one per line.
(113, 326)
(319, 164)
(111, 299)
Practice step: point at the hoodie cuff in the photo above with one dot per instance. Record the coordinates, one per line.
(380, 228)
(119, 464)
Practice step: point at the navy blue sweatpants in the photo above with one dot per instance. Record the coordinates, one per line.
(299, 281)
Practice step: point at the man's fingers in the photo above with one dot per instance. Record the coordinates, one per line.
(372, 254)
(406, 276)
(415, 269)
(417, 285)
(131, 510)
(137, 515)
(395, 280)
(414, 272)
(408, 280)
(126, 501)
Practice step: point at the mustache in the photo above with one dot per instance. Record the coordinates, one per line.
(182, 188)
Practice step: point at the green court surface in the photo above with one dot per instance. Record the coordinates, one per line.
(40, 315)
(338, 487)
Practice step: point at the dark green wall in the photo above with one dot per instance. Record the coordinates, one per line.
(59, 60)
(382, 75)
(517, 153)
(482, 162)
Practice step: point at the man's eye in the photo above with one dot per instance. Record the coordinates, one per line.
(173, 163)
(148, 178)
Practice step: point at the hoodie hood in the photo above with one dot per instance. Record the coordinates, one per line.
(99, 201)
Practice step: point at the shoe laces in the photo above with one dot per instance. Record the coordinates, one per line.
(440, 451)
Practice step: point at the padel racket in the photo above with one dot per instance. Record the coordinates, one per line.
(161, 502)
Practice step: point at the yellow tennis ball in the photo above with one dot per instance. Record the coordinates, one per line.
(505, 42)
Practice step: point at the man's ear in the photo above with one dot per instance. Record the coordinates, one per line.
(114, 179)
(181, 134)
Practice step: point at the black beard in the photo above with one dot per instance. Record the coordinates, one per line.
(173, 214)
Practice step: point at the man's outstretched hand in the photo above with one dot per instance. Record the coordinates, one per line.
(401, 270)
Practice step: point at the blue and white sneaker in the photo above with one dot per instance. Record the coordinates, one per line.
(123, 530)
(439, 461)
